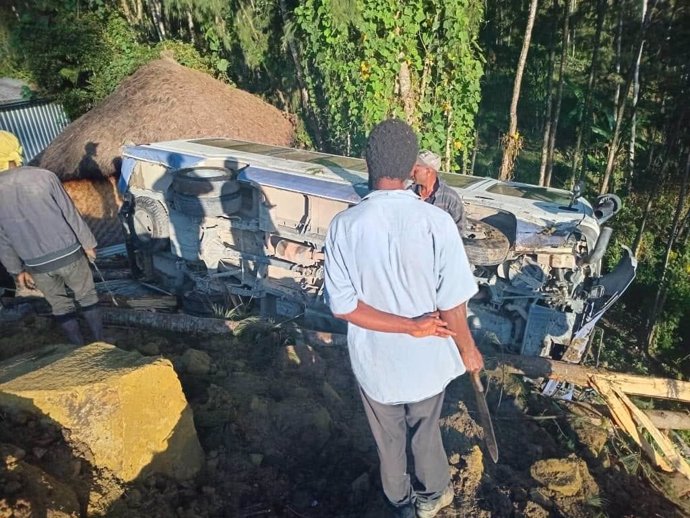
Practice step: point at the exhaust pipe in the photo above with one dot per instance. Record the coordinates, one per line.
(605, 210)
(607, 206)
(600, 247)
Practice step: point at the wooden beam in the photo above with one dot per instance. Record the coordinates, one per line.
(623, 418)
(538, 367)
(664, 443)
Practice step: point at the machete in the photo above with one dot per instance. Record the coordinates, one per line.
(484, 416)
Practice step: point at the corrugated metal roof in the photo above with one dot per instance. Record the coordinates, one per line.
(35, 123)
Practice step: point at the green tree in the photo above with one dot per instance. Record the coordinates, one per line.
(366, 60)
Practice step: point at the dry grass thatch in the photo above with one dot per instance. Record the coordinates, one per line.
(161, 101)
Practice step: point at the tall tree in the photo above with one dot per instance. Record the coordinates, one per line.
(583, 117)
(556, 112)
(512, 140)
(549, 96)
(620, 109)
(635, 99)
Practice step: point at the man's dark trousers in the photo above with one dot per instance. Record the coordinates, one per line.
(389, 425)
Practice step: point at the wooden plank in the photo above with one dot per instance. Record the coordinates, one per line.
(623, 418)
(669, 420)
(664, 443)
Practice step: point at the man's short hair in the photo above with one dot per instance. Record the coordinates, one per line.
(429, 159)
(391, 150)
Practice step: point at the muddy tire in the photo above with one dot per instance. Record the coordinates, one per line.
(485, 245)
(205, 182)
(209, 207)
(149, 224)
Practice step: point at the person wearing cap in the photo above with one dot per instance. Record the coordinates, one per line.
(432, 189)
(44, 242)
(397, 272)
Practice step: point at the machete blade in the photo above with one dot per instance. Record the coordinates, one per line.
(484, 416)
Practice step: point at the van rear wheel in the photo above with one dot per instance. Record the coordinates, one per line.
(149, 223)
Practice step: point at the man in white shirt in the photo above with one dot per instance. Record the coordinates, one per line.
(397, 272)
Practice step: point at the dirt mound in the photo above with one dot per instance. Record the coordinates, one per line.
(161, 101)
(566, 477)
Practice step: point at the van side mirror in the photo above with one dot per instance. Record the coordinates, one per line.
(576, 192)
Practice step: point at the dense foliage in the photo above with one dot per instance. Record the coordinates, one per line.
(603, 96)
(371, 59)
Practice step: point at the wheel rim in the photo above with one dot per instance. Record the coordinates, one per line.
(143, 225)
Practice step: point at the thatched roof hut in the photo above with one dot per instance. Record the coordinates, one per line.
(161, 101)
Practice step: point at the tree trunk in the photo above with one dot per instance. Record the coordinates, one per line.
(635, 99)
(126, 11)
(559, 94)
(512, 144)
(449, 139)
(584, 115)
(549, 102)
(157, 18)
(311, 119)
(620, 109)
(617, 57)
(190, 26)
(660, 296)
(474, 151)
(175, 322)
(643, 222)
(650, 201)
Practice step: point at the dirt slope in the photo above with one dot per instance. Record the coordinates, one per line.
(285, 436)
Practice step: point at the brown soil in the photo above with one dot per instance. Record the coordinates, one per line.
(161, 101)
(285, 436)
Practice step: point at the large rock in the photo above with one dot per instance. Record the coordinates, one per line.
(123, 413)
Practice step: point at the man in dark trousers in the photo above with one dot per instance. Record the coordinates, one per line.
(44, 242)
(397, 272)
(429, 187)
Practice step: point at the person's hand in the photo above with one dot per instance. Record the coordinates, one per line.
(430, 324)
(472, 358)
(90, 254)
(25, 280)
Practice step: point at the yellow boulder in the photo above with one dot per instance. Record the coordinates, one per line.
(120, 411)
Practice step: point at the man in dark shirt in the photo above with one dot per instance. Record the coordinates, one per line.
(429, 187)
(44, 242)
